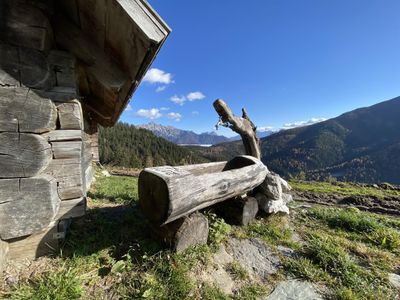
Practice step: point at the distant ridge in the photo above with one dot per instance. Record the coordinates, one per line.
(184, 137)
(361, 145)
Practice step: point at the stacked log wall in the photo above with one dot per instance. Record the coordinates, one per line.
(45, 150)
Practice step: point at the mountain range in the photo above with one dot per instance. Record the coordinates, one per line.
(361, 145)
(187, 137)
(184, 137)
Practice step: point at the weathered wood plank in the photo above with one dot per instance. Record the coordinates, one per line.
(168, 193)
(23, 154)
(27, 205)
(69, 176)
(21, 109)
(63, 64)
(63, 135)
(73, 208)
(25, 25)
(183, 233)
(9, 74)
(43, 243)
(67, 149)
(3, 255)
(70, 115)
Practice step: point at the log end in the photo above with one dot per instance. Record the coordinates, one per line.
(153, 197)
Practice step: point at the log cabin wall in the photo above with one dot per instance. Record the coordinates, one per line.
(45, 150)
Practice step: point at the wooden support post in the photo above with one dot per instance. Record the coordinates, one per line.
(238, 211)
(182, 233)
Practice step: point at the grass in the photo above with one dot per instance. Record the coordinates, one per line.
(342, 188)
(60, 284)
(347, 250)
(118, 189)
(109, 254)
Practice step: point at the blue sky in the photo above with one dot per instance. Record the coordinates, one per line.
(285, 61)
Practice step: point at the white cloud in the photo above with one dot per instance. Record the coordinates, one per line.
(155, 75)
(174, 116)
(195, 96)
(265, 128)
(302, 123)
(189, 97)
(151, 114)
(128, 108)
(178, 99)
(195, 112)
(161, 88)
(164, 108)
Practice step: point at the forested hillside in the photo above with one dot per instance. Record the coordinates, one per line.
(361, 145)
(127, 146)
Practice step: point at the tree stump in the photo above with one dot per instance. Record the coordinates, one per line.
(185, 232)
(238, 211)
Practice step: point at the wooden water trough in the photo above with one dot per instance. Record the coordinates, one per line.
(168, 193)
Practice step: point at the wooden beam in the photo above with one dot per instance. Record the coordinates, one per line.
(25, 25)
(73, 208)
(23, 110)
(70, 115)
(69, 176)
(27, 205)
(23, 154)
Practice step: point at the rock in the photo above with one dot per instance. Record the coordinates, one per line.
(105, 173)
(286, 251)
(221, 257)
(217, 275)
(394, 280)
(287, 198)
(255, 256)
(271, 206)
(221, 279)
(294, 289)
(271, 187)
(286, 188)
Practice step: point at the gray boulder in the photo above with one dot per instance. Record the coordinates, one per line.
(294, 290)
(255, 256)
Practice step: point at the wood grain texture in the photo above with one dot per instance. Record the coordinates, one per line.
(63, 65)
(73, 208)
(183, 233)
(9, 74)
(23, 154)
(243, 126)
(69, 176)
(31, 247)
(63, 135)
(238, 211)
(70, 115)
(23, 110)
(3, 255)
(169, 193)
(24, 24)
(27, 205)
(67, 149)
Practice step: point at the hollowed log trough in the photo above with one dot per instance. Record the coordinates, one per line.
(168, 193)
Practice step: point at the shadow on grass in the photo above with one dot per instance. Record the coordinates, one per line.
(124, 198)
(120, 229)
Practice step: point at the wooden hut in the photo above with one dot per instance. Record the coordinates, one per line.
(65, 67)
